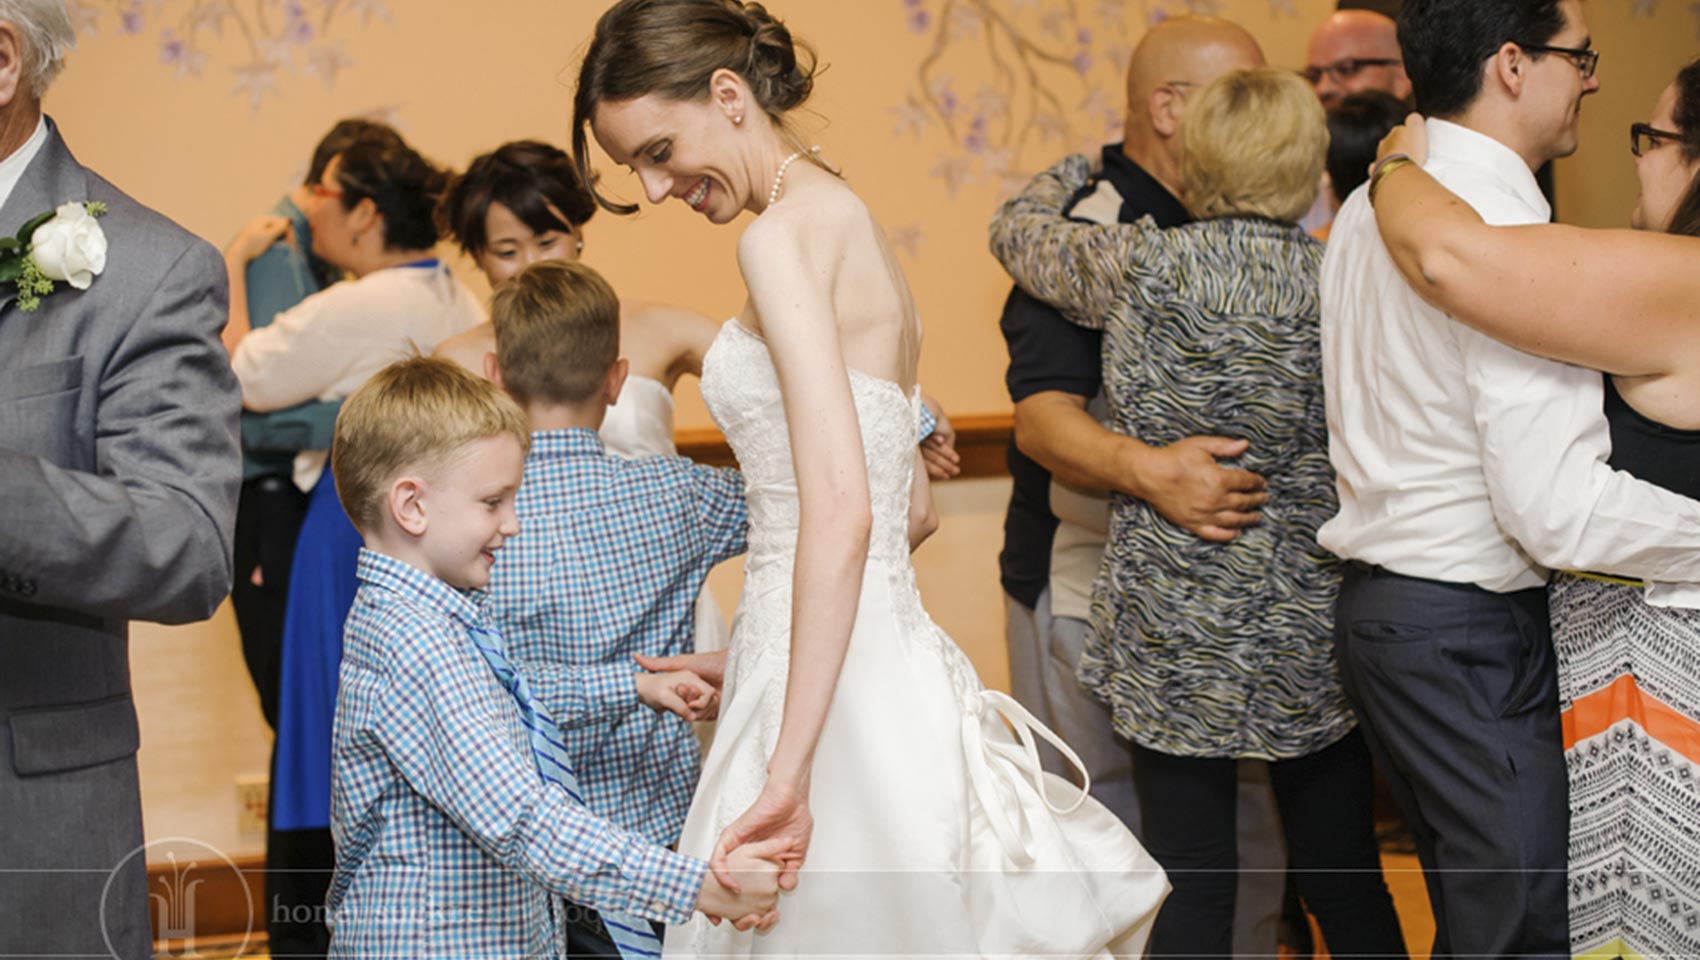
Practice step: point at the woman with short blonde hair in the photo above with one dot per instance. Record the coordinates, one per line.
(1254, 143)
(1212, 652)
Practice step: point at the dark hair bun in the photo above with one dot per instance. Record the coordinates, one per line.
(774, 73)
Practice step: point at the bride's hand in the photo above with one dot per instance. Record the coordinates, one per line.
(780, 813)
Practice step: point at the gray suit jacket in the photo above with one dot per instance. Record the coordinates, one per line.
(119, 469)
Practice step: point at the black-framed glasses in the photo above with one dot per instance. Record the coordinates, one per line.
(1645, 136)
(1587, 61)
(1342, 70)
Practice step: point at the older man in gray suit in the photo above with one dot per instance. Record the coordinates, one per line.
(118, 480)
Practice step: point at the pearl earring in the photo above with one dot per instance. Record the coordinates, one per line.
(738, 119)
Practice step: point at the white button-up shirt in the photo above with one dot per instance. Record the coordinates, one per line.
(1462, 459)
(12, 168)
(326, 346)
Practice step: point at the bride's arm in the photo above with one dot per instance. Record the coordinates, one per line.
(792, 293)
(1621, 301)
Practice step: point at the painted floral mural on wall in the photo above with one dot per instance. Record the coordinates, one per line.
(1057, 69)
(262, 43)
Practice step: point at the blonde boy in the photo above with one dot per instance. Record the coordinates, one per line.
(452, 807)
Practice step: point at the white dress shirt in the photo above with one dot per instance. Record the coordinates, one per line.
(12, 168)
(326, 346)
(1459, 458)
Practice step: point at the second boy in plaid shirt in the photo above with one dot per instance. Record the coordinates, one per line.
(612, 552)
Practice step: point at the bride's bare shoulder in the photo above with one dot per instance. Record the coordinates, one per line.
(816, 223)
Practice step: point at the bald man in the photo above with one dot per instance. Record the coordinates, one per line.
(1054, 529)
(1356, 50)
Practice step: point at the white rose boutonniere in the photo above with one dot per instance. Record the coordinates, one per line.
(65, 244)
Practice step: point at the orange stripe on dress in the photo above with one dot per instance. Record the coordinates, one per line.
(1623, 699)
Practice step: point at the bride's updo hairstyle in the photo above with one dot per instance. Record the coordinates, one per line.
(672, 47)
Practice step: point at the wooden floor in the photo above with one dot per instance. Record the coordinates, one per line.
(1410, 898)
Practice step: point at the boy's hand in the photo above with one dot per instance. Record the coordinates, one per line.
(679, 692)
(938, 451)
(755, 905)
(711, 667)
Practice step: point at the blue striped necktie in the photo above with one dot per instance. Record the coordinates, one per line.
(633, 935)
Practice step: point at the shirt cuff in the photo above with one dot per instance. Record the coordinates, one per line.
(609, 691)
(665, 885)
(929, 423)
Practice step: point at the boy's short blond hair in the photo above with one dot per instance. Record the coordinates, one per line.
(557, 332)
(413, 415)
(1253, 142)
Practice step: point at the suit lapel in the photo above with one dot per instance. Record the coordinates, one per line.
(53, 177)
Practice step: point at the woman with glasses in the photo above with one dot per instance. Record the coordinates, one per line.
(1627, 303)
(371, 213)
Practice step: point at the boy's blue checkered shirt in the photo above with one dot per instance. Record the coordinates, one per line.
(448, 840)
(608, 562)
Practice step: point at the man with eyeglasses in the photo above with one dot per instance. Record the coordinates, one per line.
(1467, 471)
(1350, 52)
(1355, 50)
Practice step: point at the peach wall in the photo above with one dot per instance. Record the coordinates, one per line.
(175, 120)
(459, 78)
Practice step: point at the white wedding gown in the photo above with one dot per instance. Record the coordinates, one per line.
(936, 832)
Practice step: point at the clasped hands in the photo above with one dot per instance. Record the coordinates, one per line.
(759, 854)
(687, 686)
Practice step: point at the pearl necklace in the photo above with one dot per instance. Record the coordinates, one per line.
(779, 178)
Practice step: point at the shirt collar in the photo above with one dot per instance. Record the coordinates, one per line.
(1451, 143)
(570, 442)
(1141, 192)
(12, 168)
(411, 583)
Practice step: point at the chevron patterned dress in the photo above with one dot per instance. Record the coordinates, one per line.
(1629, 686)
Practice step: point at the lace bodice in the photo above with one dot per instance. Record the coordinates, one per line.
(741, 389)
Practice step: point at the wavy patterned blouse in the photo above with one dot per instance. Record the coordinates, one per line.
(1202, 649)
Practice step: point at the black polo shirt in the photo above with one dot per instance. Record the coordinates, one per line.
(1046, 352)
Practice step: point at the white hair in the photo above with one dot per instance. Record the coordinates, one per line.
(46, 34)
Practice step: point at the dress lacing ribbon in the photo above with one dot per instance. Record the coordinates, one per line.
(1011, 763)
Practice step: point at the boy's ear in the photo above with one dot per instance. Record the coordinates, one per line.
(493, 371)
(407, 505)
(615, 381)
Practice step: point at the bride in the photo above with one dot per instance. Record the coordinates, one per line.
(845, 706)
